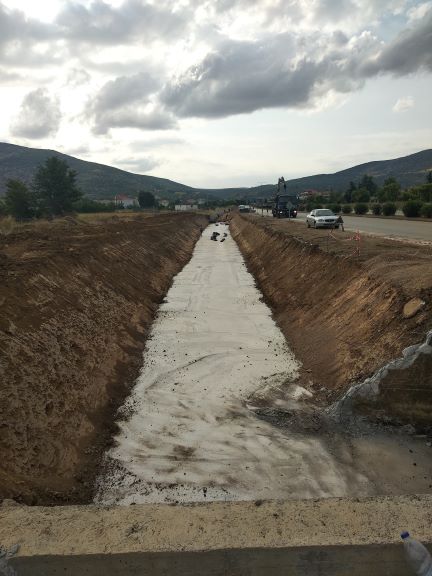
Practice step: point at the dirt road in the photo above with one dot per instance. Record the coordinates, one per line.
(216, 413)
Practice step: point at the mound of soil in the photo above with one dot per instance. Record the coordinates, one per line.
(342, 314)
(77, 300)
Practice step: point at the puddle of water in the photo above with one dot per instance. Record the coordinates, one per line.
(188, 433)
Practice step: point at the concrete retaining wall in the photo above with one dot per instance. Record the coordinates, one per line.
(333, 537)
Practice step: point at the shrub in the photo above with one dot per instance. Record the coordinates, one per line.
(412, 208)
(336, 208)
(361, 208)
(19, 201)
(146, 199)
(426, 211)
(7, 225)
(347, 208)
(389, 209)
(376, 209)
(88, 206)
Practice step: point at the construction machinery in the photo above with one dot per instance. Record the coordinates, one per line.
(285, 204)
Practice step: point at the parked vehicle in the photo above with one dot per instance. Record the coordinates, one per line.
(322, 218)
(244, 208)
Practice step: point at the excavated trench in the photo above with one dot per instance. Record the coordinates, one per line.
(345, 317)
(219, 411)
(224, 408)
(77, 300)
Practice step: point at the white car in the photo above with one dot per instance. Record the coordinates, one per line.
(322, 218)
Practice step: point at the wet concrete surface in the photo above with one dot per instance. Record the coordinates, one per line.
(216, 413)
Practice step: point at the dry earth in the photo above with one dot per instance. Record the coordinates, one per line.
(342, 314)
(76, 302)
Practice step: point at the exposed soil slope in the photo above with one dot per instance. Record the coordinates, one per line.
(76, 302)
(342, 315)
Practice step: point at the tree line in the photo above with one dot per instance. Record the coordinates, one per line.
(366, 195)
(52, 192)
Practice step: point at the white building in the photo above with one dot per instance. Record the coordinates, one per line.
(185, 207)
(126, 201)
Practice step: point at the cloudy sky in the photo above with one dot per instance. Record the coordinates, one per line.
(218, 92)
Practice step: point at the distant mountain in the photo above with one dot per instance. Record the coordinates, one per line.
(95, 180)
(408, 170)
(101, 181)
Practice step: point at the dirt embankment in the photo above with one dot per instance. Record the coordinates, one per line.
(76, 302)
(343, 315)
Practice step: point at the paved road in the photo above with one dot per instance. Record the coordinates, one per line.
(391, 228)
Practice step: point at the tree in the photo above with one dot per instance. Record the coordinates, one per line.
(426, 211)
(390, 191)
(369, 183)
(55, 187)
(423, 192)
(361, 195)
(19, 201)
(429, 177)
(146, 199)
(361, 208)
(389, 209)
(349, 193)
(412, 208)
(88, 206)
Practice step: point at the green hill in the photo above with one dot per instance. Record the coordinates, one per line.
(95, 180)
(104, 182)
(408, 170)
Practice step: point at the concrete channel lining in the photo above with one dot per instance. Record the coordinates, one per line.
(310, 537)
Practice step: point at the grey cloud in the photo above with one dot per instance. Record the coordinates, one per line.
(334, 10)
(122, 103)
(292, 70)
(14, 25)
(152, 143)
(139, 165)
(77, 77)
(134, 19)
(248, 76)
(77, 151)
(39, 116)
(125, 90)
(409, 52)
(134, 118)
(350, 13)
(7, 77)
(18, 35)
